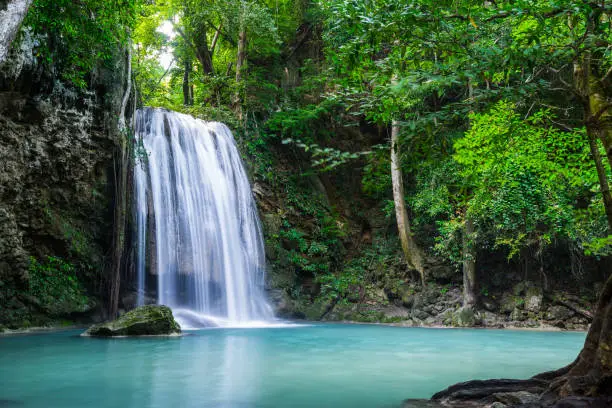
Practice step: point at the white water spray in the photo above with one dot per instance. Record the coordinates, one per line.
(194, 202)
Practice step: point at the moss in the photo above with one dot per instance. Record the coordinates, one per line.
(392, 319)
(142, 321)
(464, 317)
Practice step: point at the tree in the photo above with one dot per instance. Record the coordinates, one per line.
(412, 252)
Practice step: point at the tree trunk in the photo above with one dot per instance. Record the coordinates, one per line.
(204, 57)
(468, 250)
(11, 18)
(598, 123)
(187, 96)
(469, 265)
(603, 179)
(213, 45)
(412, 252)
(240, 59)
(600, 116)
(591, 374)
(120, 204)
(200, 49)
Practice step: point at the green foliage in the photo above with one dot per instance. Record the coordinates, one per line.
(599, 246)
(523, 175)
(55, 284)
(341, 284)
(302, 123)
(80, 35)
(328, 158)
(376, 181)
(79, 243)
(361, 275)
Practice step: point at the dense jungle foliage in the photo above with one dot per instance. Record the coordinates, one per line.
(502, 112)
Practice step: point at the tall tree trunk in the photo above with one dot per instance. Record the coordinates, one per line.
(12, 14)
(604, 186)
(187, 96)
(121, 185)
(600, 112)
(598, 123)
(200, 49)
(204, 57)
(469, 264)
(412, 252)
(591, 373)
(468, 248)
(240, 60)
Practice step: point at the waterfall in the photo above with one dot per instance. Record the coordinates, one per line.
(196, 221)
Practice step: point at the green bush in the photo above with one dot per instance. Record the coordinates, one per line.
(55, 284)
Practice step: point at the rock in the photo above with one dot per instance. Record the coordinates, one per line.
(430, 295)
(479, 389)
(419, 314)
(420, 403)
(507, 304)
(584, 402)
(520, 288)
(533, 299)
(281, 303)
(490, 319)
(396, 312)
(558, 313)
(464, 317)
(517, 315)
(431, 321)
(429, 310)
(513, 398)
(407, 323)
(496, 404)
(407, 296)
(150, 320)
(489, 305)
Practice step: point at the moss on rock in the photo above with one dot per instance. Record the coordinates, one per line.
(149, 320)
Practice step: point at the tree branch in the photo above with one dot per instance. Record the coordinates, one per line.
(214, 41)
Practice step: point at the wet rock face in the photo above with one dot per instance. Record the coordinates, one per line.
(150, 320)
(56, 158)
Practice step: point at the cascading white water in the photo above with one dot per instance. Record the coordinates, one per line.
(194, 202)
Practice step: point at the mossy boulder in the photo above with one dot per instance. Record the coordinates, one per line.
(149, 320)
(464, 317)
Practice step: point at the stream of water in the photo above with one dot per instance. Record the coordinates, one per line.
(197, 224)
(352, 366)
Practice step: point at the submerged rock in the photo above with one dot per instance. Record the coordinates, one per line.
(150, 320)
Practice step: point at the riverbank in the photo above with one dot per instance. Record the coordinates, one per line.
(523, 306)
(41, 330)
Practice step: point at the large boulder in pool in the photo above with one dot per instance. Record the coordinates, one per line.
(149, 320)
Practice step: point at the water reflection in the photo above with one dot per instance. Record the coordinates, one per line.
(225, 372)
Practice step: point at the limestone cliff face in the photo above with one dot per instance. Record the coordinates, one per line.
(56, 175)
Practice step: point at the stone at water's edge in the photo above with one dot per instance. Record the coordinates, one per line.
(149, 320)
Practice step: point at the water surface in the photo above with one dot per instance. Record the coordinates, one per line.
(310, 366)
